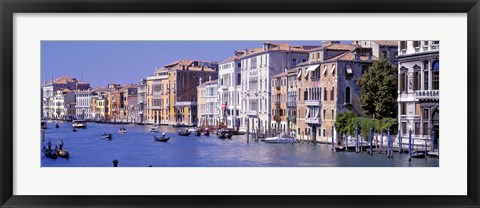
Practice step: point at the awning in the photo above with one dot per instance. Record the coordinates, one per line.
(308, 112)
(317, 113)
(312, 68)
(436, 66)
(349, 69)
(333, 69)
(324, 70)
(306, 73)
(299, 74)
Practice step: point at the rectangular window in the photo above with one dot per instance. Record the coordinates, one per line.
(435, 80)
(416, 44)
(417, 109)
(403, 45)
(417, 128)
(294, 62)
(416, 81)
(402, 82)
(404, 128)
(403, 108)
(425, 128)
(425, 80)
(425, 115)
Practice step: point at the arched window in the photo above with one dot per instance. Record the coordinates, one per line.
(325, 94)
(347, 95)
(332, 94)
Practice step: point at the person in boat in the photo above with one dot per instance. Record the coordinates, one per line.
(60, 144)
(49, 144)
(163, 134)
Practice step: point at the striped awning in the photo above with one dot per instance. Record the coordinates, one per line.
(312, 68)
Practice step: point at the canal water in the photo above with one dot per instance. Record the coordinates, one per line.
(137, 148)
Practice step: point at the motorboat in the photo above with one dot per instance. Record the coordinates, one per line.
(198, 133)
(224, 134)
(161, 139)
(282, 138)
(43, 124)
(184, 133)
(106, 136)
(122, 131)
(79, 123)
(206, 133)
(178, 125)
(154, 128)
(193, 130)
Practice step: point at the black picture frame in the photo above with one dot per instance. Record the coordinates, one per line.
(9, 7)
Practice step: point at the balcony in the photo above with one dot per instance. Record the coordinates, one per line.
(312, 120)
(277, 103)
(313, 103)
(185, 103)
(291, 104)
(252, 113)
(427, 94)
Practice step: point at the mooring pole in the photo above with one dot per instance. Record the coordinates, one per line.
(410, 145)
(425, 150)
(433, 141)
(381, 140)
(356, 137)
(371, 139)
(333, 142)
(388, 143)
(400, 150)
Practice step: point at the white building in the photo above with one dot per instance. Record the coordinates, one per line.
(83, 107)
(229, 88)
(208, 105)
(63, 104)
(257, 67)
(418, 91)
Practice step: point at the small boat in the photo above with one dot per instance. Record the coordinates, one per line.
(74, 129)
(122, 131)
(43, 125)
(178, 125)
(79, 123)
(161, 139)
(63, 153)
(184, 133)
(282, 138)
(198, 133)
(154, 129)
(107, 136)
(207, 133)
(222, 134)
(57, 126)
(49, 152)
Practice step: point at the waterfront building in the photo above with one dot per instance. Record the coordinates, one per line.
(292, 86)
(172, 93)
(258, 65)
(279, 102)
(381, 48)
(100, 105)
(115, 102)
(83, 107)
(50, 88)
(142, 100)
(63, 104)
(129, 112)
(208, 105)
(418, 90)
(229, 88)
(328, 86)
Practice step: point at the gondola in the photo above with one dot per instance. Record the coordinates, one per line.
(180, 133)
(107, 136)
(74, 129)
(228, 135)
(63, 153)
(207, 133)
(122, 131)
(161, 139)
(57, 126)
(50, 153)
(198, 133)
(222, 134)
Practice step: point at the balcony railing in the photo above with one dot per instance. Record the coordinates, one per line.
(313, 103)
(185, 103)
(252, 113)
(312, 120)
(277, 103)
(291, 104)
(427, 94)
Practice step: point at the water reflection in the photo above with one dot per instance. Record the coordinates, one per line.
(137, 148)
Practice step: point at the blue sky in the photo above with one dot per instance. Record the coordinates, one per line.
(125, 62)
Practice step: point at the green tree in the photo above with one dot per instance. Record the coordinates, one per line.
(378, 95)
(343, 122)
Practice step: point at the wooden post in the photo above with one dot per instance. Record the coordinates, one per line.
(410, 145)
(356, 137)
(371, 140)
(333, 142)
